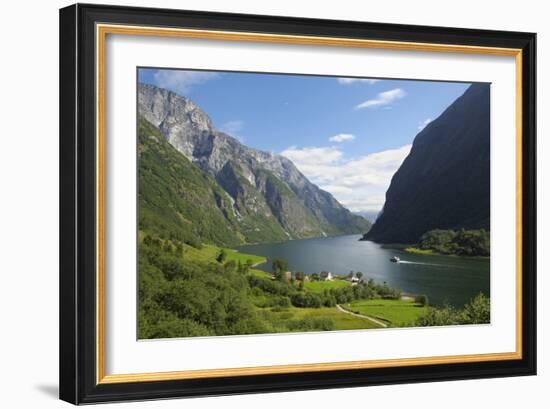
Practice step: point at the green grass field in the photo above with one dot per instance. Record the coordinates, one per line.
(320, 286)
(209, 253)
(342, 321)
(416, 250)
(397, 313)
(259, 273)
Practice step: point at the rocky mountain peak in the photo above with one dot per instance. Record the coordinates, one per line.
(182, 122)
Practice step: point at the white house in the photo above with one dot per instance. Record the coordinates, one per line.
(326, 276)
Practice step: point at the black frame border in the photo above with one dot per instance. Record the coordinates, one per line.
(78, 210)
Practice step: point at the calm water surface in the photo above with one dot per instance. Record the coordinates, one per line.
(442, 278)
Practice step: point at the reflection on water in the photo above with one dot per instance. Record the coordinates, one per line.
(442, 278)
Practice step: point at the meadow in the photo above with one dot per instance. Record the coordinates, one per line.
(397, 313)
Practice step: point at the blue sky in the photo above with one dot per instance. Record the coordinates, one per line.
(346, 135)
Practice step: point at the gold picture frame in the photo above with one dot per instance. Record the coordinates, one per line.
(99, 19)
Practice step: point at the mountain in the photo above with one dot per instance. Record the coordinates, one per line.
(370, 215)
(269, 199)
(444, 183)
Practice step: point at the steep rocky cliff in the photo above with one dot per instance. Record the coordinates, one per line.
(271, 199)
(444, 183)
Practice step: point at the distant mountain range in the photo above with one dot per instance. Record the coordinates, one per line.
(444, 183)
(371, 216)
(203, 184)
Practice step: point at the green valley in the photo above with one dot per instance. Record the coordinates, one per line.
(202, 195)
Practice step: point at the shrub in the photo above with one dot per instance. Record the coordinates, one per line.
(307, 300)
(279, 268)
(311, 324)
(477, 311)
(421, 299)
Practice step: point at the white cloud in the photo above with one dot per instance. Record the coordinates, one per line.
(373, 203)
(338, 190)
(342, 137)
(233, 128)
(348, 81)
(181, 82)
(313, 160)
(360, 184)
(383, 98)
(422, 125)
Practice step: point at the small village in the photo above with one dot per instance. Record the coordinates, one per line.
(353, 277)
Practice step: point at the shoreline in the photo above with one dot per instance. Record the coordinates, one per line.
(411, 249)
(300, 239)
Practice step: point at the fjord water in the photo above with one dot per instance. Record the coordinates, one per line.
(444, 279)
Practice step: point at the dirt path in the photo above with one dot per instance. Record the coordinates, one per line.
(378, 322)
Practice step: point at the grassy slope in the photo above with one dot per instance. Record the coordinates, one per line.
(396, 312)
(342, 321)
(210, 252)
(320, 286)
(416, 250)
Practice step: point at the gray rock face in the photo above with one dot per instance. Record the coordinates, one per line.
(182, 123)
(254, 179)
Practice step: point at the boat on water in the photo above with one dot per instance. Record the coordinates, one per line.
(395, 259)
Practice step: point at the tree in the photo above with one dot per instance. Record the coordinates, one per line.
(445, 315)
(462, 242)
(279, 268)
(421, 299)
(299, 275)
(314, 277)
(230, 266)
(478, 310)
(359, 275)
(167, 247)
(222, 255)
(156, 242)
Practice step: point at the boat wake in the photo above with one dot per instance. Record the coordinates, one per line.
(423, 264)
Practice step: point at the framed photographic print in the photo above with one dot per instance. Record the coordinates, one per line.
(258, 203)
